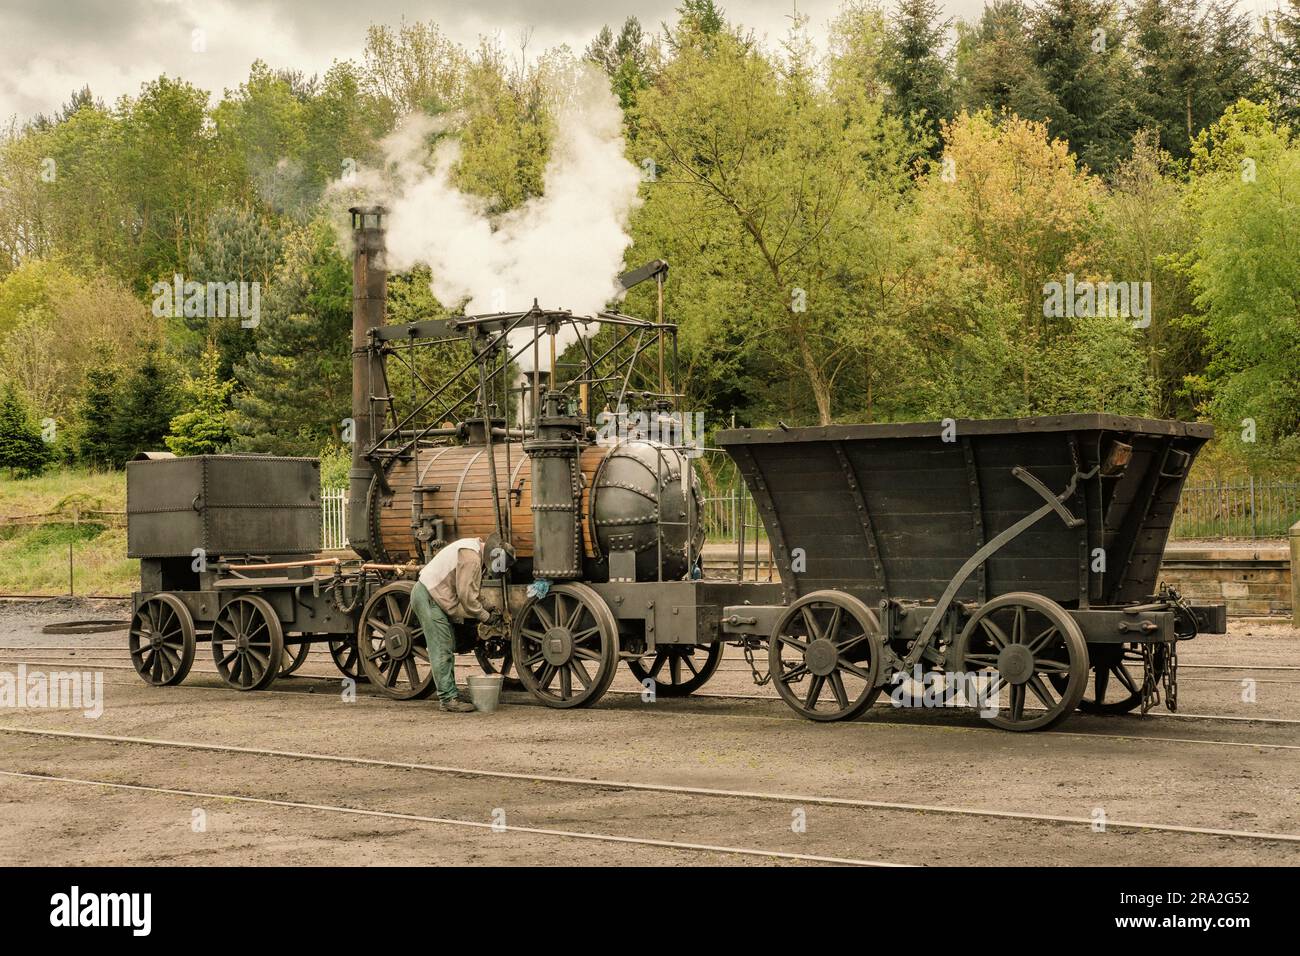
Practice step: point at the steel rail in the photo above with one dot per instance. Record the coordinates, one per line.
(629, 693)
(449, 821)
(602, 784)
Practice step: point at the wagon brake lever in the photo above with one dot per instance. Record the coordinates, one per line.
(1056, 501)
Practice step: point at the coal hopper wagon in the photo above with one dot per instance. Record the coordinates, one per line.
(1011, 565)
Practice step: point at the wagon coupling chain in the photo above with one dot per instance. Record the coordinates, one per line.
(748, 645)
(1171, 677)
(1150, 680)
(338, 590)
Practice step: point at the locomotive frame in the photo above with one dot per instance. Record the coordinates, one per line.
(900, 589)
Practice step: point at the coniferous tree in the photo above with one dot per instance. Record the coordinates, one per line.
(297, 382)
(22, 450)
(1192, 63)
(94, 442)
(1282, 63)
(144, 410)
(917, 67)
(1079, 50)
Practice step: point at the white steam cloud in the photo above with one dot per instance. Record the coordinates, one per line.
(563, 248)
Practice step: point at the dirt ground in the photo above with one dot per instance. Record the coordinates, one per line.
(1172, 771)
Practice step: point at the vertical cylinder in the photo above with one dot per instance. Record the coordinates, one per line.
(557, 491)
(369, 300)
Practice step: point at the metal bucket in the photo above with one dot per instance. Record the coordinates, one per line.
(485, 691)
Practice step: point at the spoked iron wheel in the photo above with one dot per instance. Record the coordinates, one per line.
(1118, 673)
(565, 646)
(347, 661)
(294, 657)
(248, 643)
(678, 669)
(494, 656)
(390, 644)
(1023, 648)
(161, 640)
(824, 656)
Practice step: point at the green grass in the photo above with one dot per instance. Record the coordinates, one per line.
(34, 559)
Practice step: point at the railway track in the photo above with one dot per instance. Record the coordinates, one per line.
(625, 785)
(525, 701)
(450, 821)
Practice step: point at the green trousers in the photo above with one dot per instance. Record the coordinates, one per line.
(439, 639)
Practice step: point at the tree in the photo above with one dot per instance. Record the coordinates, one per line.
(916, 65)
(22, 450)
(297, 382)
(995, 64)
(1192, 61)
(800, 191)
(205, 429)
(94, 441)
(1282, 59)
(1245, 269)
(1078, 47)
(625, 58)
(144, 409)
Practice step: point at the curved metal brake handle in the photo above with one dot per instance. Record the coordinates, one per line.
(1056, 501)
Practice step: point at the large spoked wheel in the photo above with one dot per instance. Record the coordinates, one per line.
(678, 669)
(248, 643)
(161, 640)
(295, 655)
(1119, 672)
(494, 656)
(344, 654)
(1021, 648)
(391, 647)
(565, 646)
(824, 656)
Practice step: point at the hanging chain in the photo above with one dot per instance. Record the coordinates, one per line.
(1171, 677)
(1150, 679)
(748, 645)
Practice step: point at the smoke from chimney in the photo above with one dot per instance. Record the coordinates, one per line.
(563, 248)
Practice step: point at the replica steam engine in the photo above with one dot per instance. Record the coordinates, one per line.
(1014, 561)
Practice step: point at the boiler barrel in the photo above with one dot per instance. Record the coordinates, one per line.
(457, 487)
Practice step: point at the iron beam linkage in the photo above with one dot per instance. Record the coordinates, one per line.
(1052, 503)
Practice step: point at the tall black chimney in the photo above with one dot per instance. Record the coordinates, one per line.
(369, 297)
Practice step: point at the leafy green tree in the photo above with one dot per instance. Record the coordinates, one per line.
(802, 191)
(22, 450)
(1246, 274)
(205, 429)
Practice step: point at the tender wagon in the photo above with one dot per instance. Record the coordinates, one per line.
(1017, 558)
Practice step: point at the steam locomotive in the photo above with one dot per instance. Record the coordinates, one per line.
(946, 548)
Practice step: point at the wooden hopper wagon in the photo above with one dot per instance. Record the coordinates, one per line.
(1018, 558)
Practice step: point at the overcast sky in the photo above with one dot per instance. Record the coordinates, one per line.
(48, 48)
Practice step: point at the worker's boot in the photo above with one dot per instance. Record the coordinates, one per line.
(456, 706)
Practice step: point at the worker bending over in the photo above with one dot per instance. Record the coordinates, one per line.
(449, 588)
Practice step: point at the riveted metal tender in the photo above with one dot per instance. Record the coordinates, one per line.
(1023, 550)
(1014, 561)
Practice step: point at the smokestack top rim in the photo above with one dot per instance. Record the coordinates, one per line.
(368, 218)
